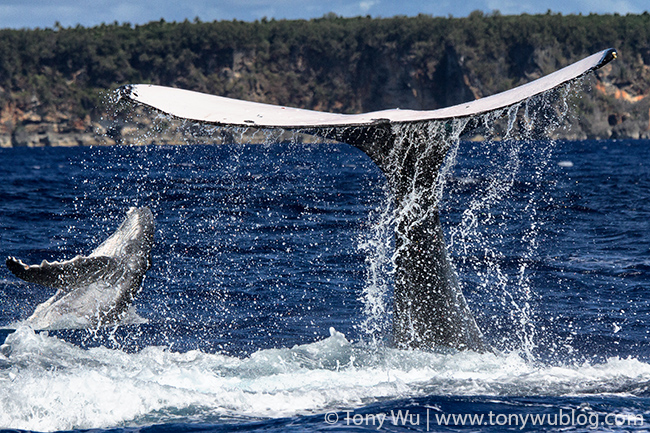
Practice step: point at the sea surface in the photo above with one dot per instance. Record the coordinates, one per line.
(268, 304)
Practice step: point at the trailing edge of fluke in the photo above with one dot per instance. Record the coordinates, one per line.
(218, 110)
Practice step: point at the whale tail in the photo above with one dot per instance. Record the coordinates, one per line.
(97, 289)
(409, 147)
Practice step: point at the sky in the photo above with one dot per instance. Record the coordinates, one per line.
(45, 13)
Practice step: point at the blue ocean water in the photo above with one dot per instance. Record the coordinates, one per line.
(262, 315)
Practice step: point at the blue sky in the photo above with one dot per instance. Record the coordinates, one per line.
(44, 13)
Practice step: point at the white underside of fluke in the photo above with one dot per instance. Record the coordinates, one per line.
(218, 110)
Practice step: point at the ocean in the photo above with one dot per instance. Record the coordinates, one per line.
(268, 304)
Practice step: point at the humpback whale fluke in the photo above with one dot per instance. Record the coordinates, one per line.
(97, 289)
(410, 148)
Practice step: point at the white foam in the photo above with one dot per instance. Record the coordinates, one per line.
(47, 384)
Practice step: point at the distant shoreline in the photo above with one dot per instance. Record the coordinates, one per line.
(56, 85)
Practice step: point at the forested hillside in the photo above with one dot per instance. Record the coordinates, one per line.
(53, 82)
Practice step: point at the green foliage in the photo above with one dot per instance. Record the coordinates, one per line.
(330, 63)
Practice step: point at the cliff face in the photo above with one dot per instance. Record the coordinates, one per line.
(41, 126)
(620, 100)
(53, 83)
(614, 102)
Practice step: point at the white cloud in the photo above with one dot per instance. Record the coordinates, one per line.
(366, 5)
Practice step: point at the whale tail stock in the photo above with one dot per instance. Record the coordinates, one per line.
(429, 307)
(97, 289)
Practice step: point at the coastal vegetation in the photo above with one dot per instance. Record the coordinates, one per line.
(56, 79)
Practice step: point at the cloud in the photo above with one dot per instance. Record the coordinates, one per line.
(612, 6)
(366, 5)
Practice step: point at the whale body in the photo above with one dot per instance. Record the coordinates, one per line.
(430, 309)
(97, 289)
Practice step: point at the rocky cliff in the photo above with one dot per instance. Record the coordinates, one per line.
(55, 84)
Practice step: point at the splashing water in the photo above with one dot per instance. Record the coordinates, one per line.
(509, 135)
(516, 164)
(513, 134)
(52, 385)
(235, 337)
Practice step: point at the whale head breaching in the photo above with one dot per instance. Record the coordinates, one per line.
(409, 147)
(97, 289)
